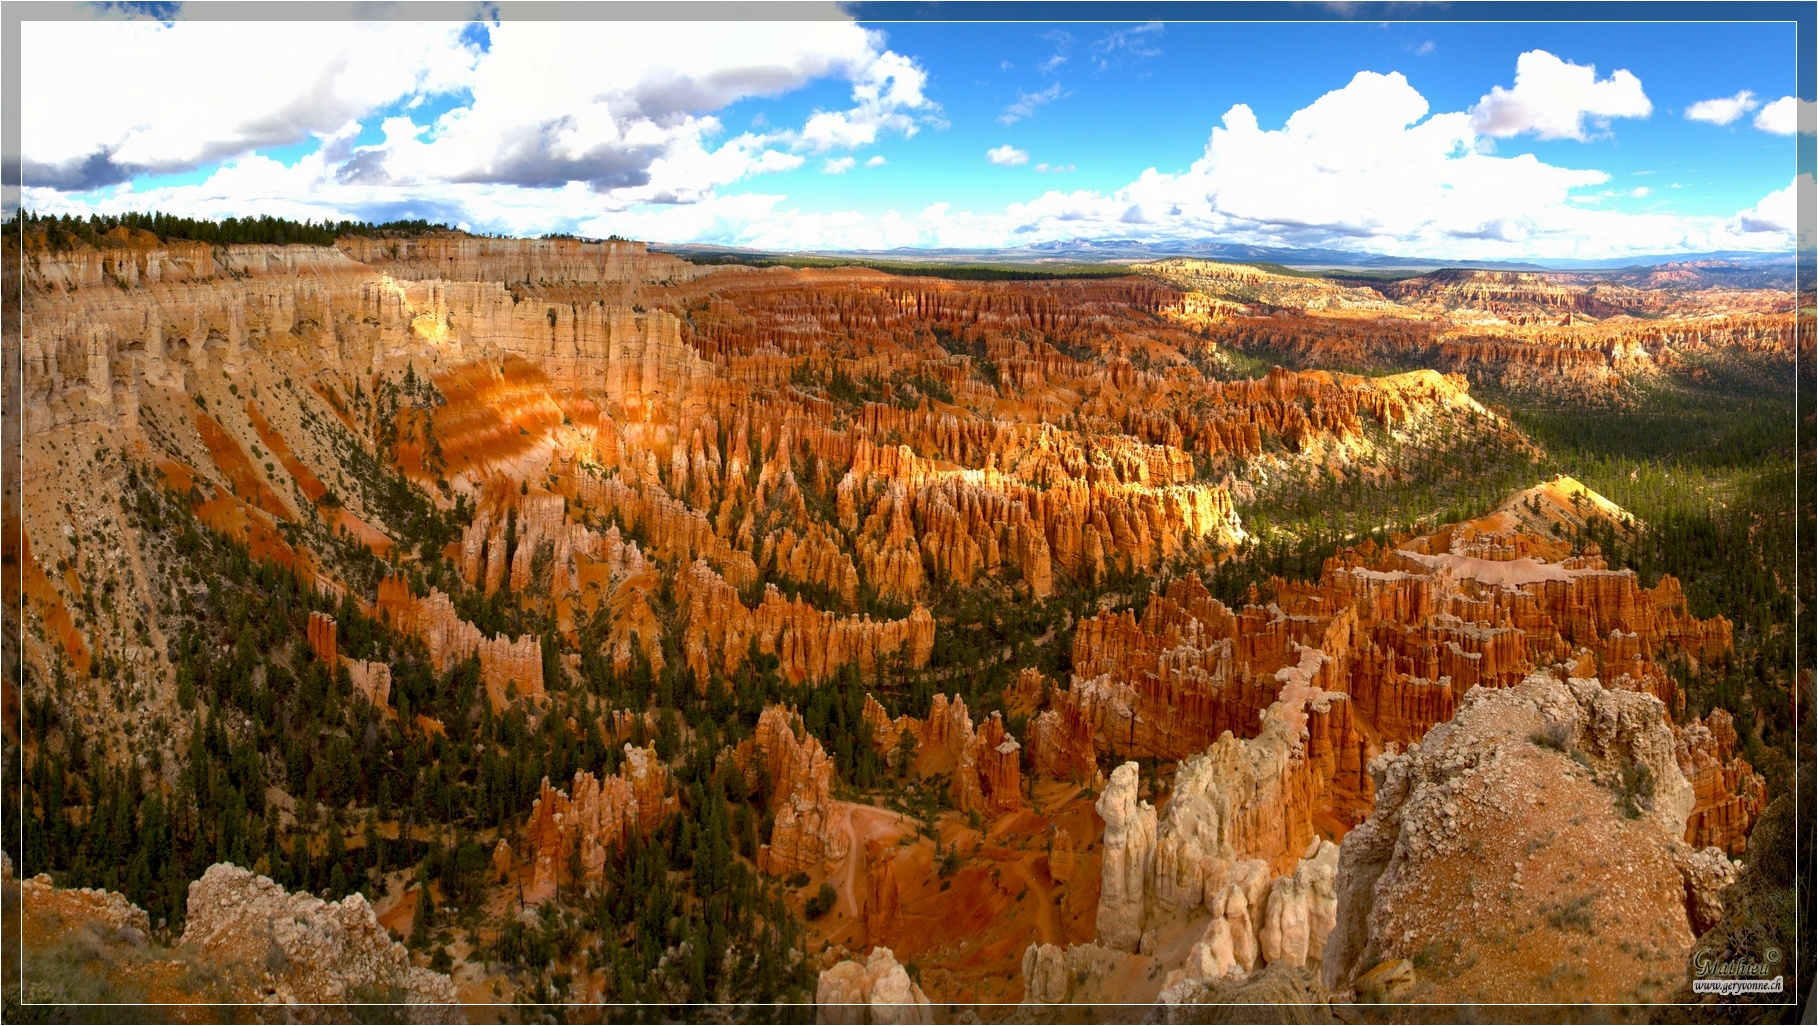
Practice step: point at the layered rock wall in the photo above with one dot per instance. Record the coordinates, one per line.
(1728, 794)
(510, 669)
(812, 644)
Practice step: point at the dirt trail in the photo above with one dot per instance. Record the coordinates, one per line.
(871, 822)
(848, 885)
(1044, 910)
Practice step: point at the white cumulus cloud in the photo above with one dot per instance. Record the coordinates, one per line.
(1723, 109)
(248, 85)
(1777, 212)
(637, 148)
(1552, 98)
(889, 86)
(1786, 115)
(1369, 167)
(618, 106)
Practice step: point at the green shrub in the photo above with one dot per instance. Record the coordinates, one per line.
(821, 903)
(1634, 789)
(948, 863)
(1573, 915)
(1552, 736)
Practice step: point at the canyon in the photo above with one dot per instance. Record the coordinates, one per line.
(455, 573)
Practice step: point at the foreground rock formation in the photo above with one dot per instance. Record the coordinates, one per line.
(1081, 974)
(1193, 875)
(247, 941)
(1238, 869)
(311, 950)
(1541, 818)
(876, 990)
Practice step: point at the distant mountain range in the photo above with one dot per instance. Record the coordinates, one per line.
(1118, 250)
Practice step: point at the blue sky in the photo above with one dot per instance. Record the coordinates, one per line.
(1434, 139)
(1112, 122)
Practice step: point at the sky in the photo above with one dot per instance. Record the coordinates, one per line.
(1432, 140)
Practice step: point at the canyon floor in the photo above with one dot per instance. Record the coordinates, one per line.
(491, 629)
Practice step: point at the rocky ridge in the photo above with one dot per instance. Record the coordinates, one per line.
(312, 951)
(246, 941)
(1554, 810)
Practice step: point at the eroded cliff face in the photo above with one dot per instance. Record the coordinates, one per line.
(1233, 869)
(811, 643)
(799, 776)
(458, 257)
(1729, 795)
(984, 765)
(1403, 632)
(811, 455)
(511, 668)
